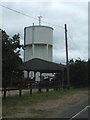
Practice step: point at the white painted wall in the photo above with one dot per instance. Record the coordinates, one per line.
(39, 35)
(39, 42)
(40, 51)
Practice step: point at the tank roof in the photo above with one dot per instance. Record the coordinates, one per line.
(39, 26)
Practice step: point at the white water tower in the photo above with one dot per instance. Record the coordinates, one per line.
(38, 42)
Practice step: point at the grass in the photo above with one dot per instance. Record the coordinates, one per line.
(27, 99)
(18, 105)
(39, 112)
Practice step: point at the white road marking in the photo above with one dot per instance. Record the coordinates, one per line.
(79, 112)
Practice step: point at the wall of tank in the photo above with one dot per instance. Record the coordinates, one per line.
(38, 42)
(38, 35)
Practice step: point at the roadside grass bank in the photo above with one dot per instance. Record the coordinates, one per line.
(40, 104)
(28, 99)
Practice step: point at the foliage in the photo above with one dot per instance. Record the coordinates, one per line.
(10, 58)
(78, 73)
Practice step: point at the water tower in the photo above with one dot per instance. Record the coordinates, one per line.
(38, 42)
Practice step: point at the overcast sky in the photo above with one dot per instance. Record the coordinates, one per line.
(56, 13)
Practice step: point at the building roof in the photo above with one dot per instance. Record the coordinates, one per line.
(39, 65)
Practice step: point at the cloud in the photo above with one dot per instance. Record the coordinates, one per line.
(1, 17)
(55, 12)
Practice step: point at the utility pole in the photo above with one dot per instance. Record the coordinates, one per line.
(67, 64)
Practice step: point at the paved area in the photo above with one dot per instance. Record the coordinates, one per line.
(76, 111)
(81, 114)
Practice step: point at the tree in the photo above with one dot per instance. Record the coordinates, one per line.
(10, 59)
(79, 73)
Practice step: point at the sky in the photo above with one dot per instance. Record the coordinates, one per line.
(55, 13)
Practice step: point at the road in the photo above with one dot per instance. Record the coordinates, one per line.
(76, 111)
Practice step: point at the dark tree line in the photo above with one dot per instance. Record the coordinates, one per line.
(79, 72)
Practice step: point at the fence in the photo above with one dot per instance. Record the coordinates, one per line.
(20, 91)
(45, 85)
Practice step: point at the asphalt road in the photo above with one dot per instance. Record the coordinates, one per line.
(82, 114)
(79, 110)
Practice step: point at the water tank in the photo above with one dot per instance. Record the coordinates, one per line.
(38, 42)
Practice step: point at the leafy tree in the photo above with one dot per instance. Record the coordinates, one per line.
(10, 59)
(78, 73)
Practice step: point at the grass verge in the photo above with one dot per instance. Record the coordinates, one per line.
(27, 105)
(27, 99)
